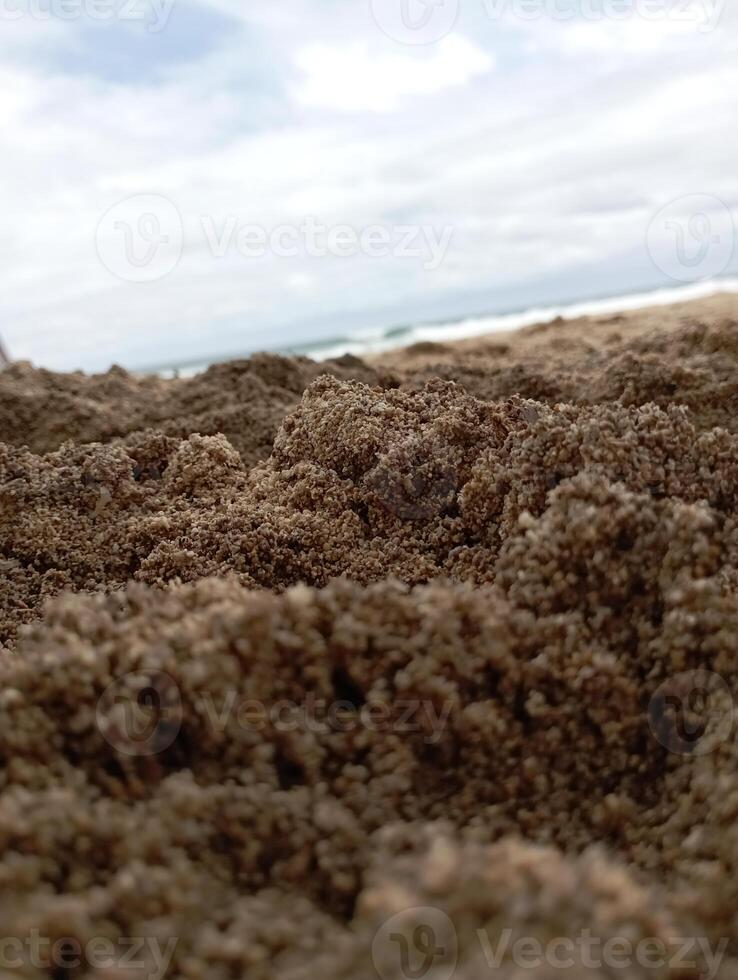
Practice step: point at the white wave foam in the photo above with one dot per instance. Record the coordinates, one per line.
(476, 326)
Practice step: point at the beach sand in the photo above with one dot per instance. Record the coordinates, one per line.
(377, 669)
(598, 332)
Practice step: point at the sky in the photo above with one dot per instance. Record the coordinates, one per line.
(188, 179)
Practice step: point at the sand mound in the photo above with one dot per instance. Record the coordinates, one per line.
(438, 676)
(245, 400)
(680, 355)
(362, 482)
(194, 763)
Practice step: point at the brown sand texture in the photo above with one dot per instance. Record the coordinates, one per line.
(417, 669)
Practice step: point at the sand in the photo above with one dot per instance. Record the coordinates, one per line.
(676, 355)
(377, 669)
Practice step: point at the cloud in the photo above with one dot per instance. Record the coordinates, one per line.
(356, 78)
(547, 148)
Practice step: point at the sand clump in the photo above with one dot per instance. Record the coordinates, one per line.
(362, 482)
(245, 400)
(421, 662)
(282, 830)
(679, 355)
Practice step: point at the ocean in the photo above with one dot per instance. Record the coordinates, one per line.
(376, 340)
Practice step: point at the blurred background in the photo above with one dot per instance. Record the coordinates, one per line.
(187, 180)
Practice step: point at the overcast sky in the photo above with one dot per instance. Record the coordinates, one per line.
(517, 159)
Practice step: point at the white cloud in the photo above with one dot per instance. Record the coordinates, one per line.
(546, 149)
(362, 77)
